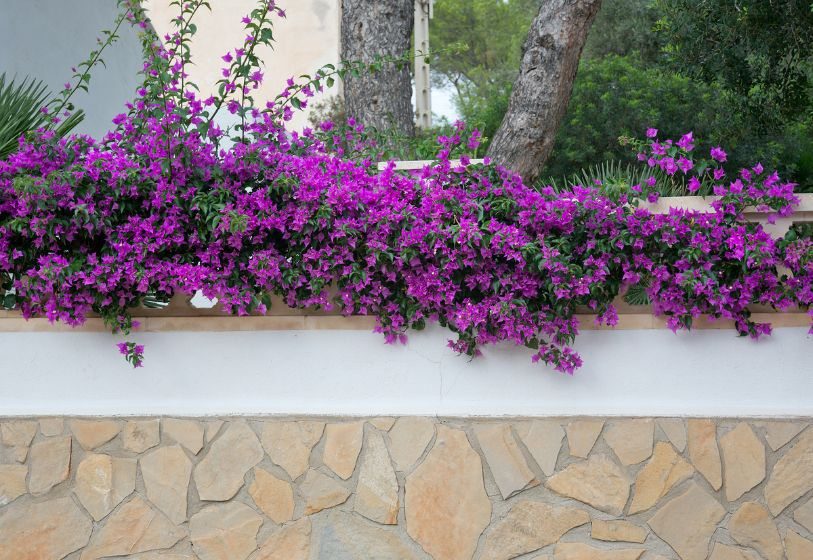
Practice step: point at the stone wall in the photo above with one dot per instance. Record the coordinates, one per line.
(406, 488)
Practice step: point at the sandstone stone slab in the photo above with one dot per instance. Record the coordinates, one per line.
(321, 492)
(447, 507)
(273, 496)
(543, 438)
(582, 436)
(688, 521)
(346, 537)
(292, 542)
(383, 423)
(134, 527)
(804, 515)
(342, 447)
(140, 435)
(160, 556)
(189, 433)
(529, 526)
(289, 444)
(728, 552)
(225, 531)
(703, 451)
(598, 482)
(49, 464)
(663, 472)
(505, 459)
(617, 530)
(744, 461)
(752, 526)
(409, 437)
(221, 473)
(94, 433)
(47, 530)
(798, 547)
(377, 489)
(579, 551)
(778, 434)
(792, 476)
(19, 454)
(12, 483)
(675, 430)
(18, 433)
(52, 426)
(102, 483)
(631, 440)
(166, 473)
(211, 429)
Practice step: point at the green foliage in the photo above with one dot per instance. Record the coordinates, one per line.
(485, 107)
(491, 30)
(483, 73)
(735, 73)
(761, 50)
(616, 96)
(624, 27)
(390, 144)
(21, 111)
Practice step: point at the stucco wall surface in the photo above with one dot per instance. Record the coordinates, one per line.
(352, 372)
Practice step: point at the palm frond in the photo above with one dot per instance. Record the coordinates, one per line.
(21, 112)
(615, 177)
(636, 295)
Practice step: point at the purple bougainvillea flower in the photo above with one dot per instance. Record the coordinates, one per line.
(686, 142)
(684, 164)
(718, 154)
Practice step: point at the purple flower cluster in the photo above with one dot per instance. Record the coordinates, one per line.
(157, 208)
(97, 227)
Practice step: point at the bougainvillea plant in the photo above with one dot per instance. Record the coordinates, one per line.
(167, 202)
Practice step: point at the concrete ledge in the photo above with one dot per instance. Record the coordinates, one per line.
(224, 323)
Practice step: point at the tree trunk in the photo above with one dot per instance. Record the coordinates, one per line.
(550, 58)
(379, 27)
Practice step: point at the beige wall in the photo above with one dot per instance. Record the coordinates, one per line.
(307, 39)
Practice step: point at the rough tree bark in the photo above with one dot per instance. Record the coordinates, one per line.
(379, 27)
(550, 58)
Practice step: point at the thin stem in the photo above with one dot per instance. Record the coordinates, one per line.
(246, 57)
(184, 29)
(110, 38)
(167, 132)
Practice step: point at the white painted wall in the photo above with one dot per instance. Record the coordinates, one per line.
(651, 372)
